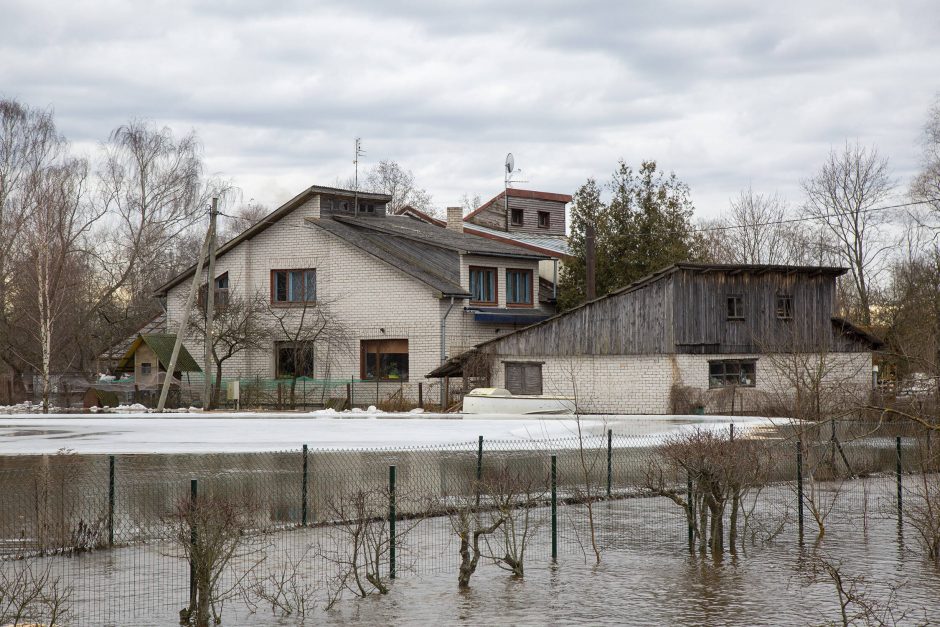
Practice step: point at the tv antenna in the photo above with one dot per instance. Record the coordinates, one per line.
(510, 170)
(359, 153)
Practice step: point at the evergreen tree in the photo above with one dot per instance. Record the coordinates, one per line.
(645, 227)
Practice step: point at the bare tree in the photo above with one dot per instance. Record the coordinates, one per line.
(926, 185)
(239, 325)
(755, 229)
(31, 593)
(845, 196)
(309, 327)
(210, 533)
(388, 177)
(243, 218)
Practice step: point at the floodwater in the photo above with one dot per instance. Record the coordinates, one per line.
(647, 575)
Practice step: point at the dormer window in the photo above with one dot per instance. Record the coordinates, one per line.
(545, 220)
(516, 217)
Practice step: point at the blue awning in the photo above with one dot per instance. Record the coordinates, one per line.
(509, 316)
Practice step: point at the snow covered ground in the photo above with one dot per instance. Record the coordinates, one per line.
(196, 432)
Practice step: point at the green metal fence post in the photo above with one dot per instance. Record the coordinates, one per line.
(554, 508)
(193, 538)
(799, 483)
(391, 522)
(691, 506)
(303, 492)
(900, 509)
(111, 500)
(610, 457)
(479, 467)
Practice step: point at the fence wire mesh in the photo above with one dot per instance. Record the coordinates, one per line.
(309, 526)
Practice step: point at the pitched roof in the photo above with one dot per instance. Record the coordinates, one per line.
(520, 193)
(162, 345)
(269, 220)
(157, 324)
(431, 234)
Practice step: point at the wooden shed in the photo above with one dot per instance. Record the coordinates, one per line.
(148, 357)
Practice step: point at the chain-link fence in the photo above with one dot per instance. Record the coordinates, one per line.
(129, 534)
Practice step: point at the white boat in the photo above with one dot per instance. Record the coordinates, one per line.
(500, 401)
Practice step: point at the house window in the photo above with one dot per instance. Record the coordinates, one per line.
(516, 217)
(384, 360)
(784, 306)
(518, 288)
(294, 286)
(366, 208)
(524, 377)
(482, 285)
(221, 295)
(735, 307)
(732, 372)
(294, 359)
(146, 368)
(545, 220)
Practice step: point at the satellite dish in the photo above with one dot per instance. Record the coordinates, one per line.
(510, 163)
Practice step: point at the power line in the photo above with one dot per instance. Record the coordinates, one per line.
(813, 218)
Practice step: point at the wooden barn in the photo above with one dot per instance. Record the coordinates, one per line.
(689, 338)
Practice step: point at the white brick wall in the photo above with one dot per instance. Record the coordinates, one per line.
(641, 384)
(375, 300)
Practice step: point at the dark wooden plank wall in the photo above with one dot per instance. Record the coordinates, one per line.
(494, 216)
(702, 326)
(634, 323)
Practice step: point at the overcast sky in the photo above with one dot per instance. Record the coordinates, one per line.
(726, 93)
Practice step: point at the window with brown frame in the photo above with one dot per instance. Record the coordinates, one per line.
(294, 286)
(518, 287)
(516, 217)
(732, 372)
(545, 220)
(384, 360)
(482, 285)
(293, 360)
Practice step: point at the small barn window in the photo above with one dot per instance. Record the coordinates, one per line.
(294, 359)
(516, 217)
(145, 368)
(730, 372)
(784, 306)
(545, 220)
(482, 285)
(735, 307)
(384, 360)
(524, 377)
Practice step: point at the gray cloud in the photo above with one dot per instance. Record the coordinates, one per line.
(725, 93)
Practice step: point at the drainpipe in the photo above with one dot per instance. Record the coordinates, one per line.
(444, 344)
(555, 280)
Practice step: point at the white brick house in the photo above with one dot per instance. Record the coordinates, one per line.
(398, 284)
(690, 336)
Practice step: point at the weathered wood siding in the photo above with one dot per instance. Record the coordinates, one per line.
(634, 323)
(494, 216)
(701, 314)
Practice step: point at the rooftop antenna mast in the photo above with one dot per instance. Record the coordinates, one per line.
(509, 171)
(359, 153)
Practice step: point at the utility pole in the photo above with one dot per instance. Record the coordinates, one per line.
(171, 367)
(210, 305)
(359, 152)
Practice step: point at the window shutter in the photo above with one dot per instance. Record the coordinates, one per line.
(515, 378)
(533, 379)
